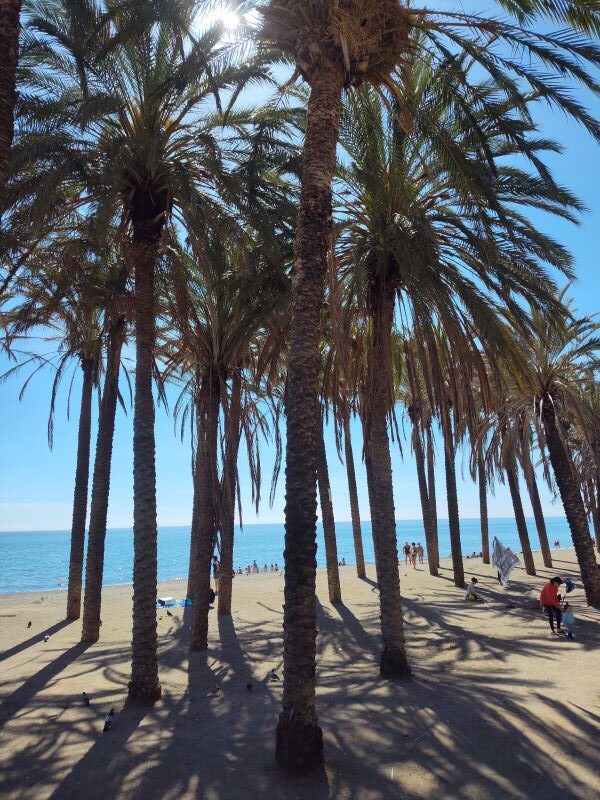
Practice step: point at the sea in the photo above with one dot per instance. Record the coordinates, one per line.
(39, 560)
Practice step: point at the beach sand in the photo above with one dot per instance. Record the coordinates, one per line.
(497, 708)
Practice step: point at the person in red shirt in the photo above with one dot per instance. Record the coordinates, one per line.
(550, 601)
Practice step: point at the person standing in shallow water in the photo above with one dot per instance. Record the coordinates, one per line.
(550, 602)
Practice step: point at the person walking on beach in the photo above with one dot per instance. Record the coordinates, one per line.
(216, 566)
(413, 555)
(420, 552)
(406, 551)
(550, 602)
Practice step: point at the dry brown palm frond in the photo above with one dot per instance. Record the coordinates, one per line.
(364, 39)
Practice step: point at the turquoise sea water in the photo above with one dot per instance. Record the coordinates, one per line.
(33, 560)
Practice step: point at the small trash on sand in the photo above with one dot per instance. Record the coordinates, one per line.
(272, 675)
(46, 638)
(29, 624)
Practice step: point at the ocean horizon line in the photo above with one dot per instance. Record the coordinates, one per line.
(263, 524)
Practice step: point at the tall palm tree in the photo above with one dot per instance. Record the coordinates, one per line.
(559, 358)
(335, 46)
(61, 294)
(150, 153)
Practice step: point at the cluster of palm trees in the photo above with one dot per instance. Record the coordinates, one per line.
(361, 248)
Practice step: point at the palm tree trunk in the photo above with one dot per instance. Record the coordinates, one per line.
(80, 495)
(573, 504)
(10, 11)
(431, 487)
(193, 560)
(483, 509)
(144, 685)
(433, 554)
(536, 505)
(354, 509)
(452, 497)
(370, 490)
(205, 496)
(299, 740)
(331, 554)
(393, 661)
(515, 494)
(229, 484)
(94, 565)
(596, 516)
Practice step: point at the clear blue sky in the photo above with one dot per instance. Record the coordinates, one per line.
(36, 486)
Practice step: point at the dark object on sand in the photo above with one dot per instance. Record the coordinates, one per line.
(29, 624)
(110, 718)
(46, 637)
(169, 613)
(272, 675)
(85, 698)
(249, 687)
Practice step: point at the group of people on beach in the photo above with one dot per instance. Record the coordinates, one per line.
(251, 569)
(412, 553)
(559, 612)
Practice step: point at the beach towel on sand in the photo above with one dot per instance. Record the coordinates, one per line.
(504, 560)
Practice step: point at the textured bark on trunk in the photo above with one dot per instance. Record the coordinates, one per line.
(9, 53)
(570, 495)
(431, 486)
(515, 494)
(483, 509)
(452, 497)
(229, 483)
(94, 565)
(331, 554)
(393, 662)
(144, 685)
(205, 496)
(80, 495)
(433, 556)
(536, 505)
(354, 508)
(299, 741)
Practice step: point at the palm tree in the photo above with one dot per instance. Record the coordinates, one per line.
(61, 292)
(10, 11)
(559, 358)
(335, 46)
(150, 154)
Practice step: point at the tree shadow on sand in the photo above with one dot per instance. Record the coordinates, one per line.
(461, 726)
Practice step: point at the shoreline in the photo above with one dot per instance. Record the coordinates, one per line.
(30, 593)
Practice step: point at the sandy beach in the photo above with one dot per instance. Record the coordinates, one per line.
(497, 708)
